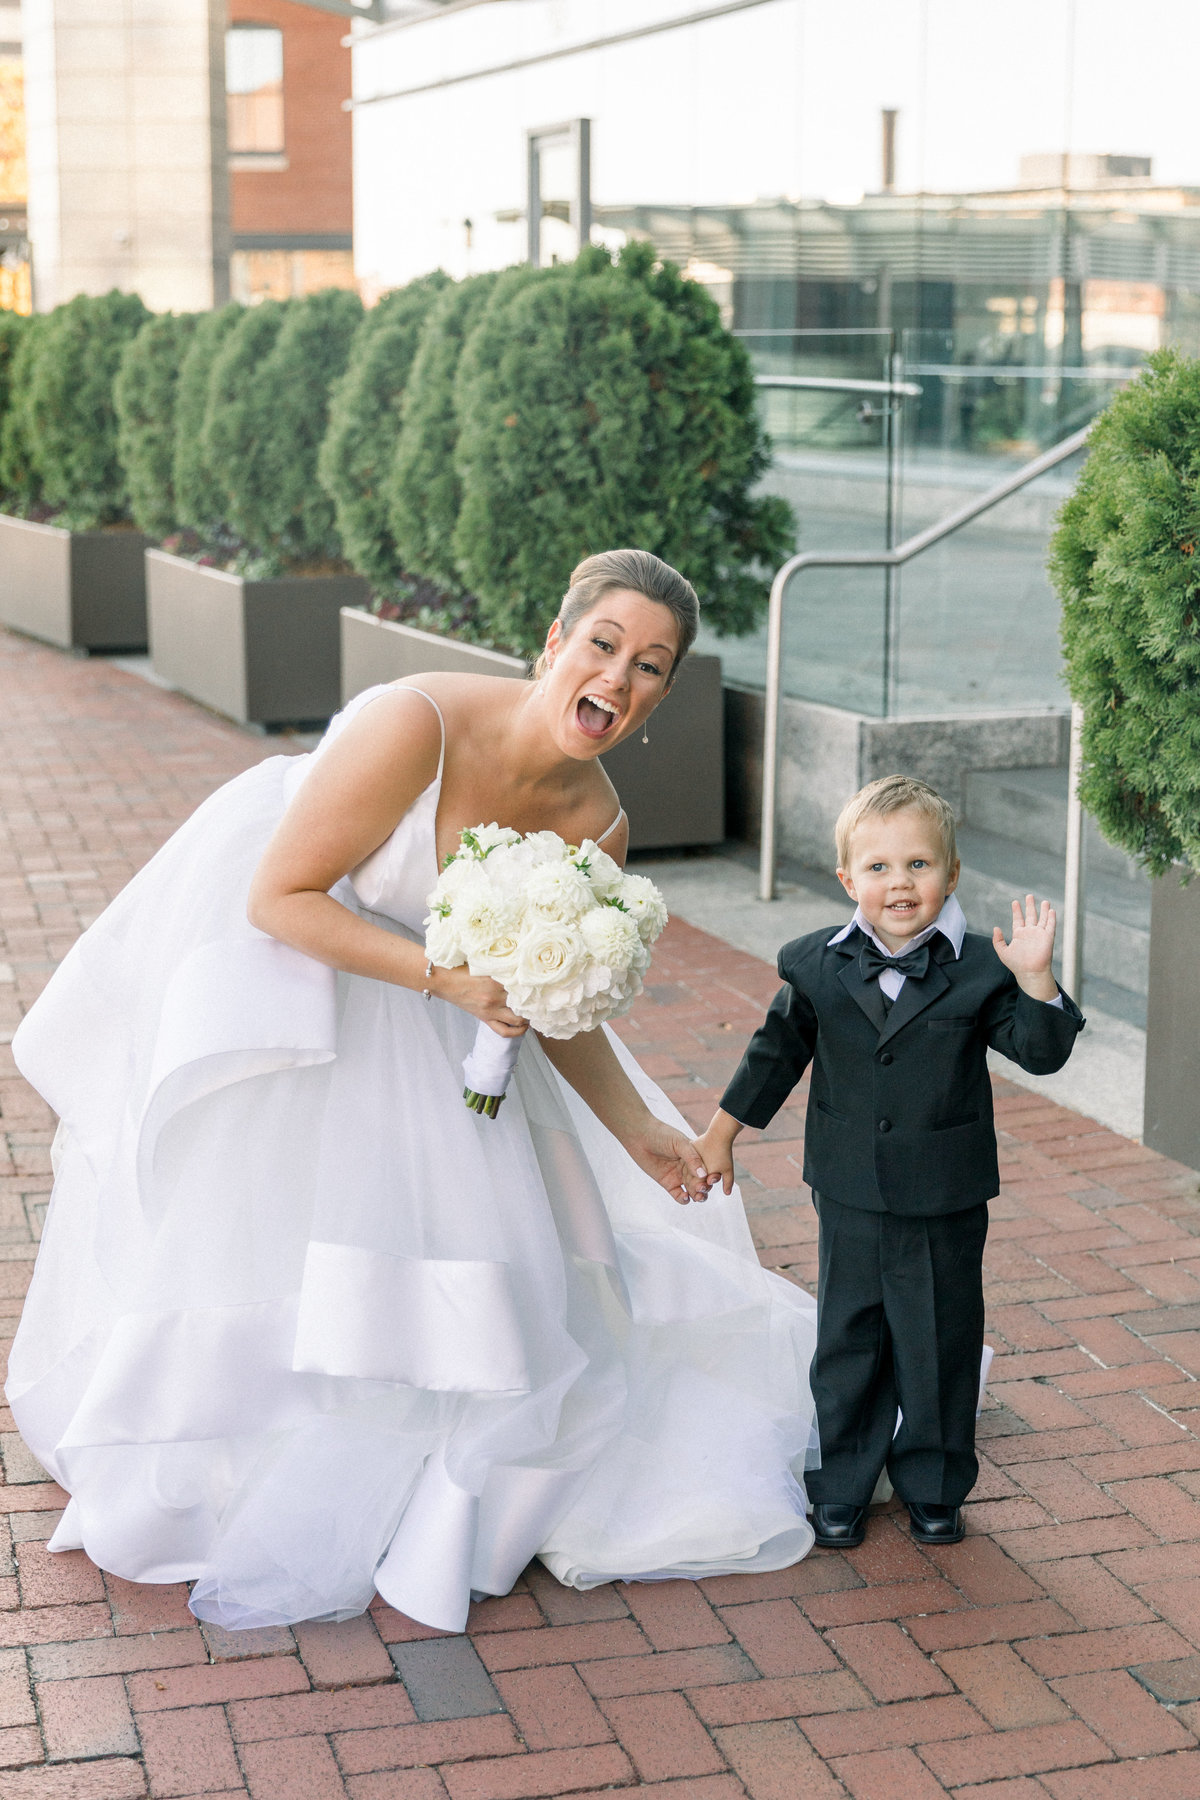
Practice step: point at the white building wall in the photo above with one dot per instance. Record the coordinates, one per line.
(125, 130)
(782, 97)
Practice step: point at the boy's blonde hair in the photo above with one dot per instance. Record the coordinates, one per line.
(893, 793)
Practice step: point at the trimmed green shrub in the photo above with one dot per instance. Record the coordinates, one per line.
(1126, 561)
(70, 416)
(12, 328)
(601, 405)
(424, 493)
(20, 484)
(267, 413)
(199, 501)
(364, 422)
(144, 393)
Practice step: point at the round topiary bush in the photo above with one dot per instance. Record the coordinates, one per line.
(364, 422)
(267, 413)
(606, 404)
(70, 416)
(19, 481)
(1125, 559)
(199, 500)
(144, 393)
(424, 493)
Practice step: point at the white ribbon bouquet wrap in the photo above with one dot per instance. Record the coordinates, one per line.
(563, 929)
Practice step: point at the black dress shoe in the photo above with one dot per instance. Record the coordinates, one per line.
(935, 1524)
(838, 1527)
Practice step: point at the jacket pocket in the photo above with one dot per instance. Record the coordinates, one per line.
(971, 1118)
(830, 1114)
(950, 1024)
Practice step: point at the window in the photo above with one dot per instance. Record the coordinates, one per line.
(254, 89)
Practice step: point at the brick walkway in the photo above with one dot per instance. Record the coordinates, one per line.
(1055, 1652)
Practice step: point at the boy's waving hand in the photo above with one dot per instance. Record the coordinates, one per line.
(1031, 949)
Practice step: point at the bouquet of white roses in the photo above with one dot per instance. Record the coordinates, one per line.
(562, 928)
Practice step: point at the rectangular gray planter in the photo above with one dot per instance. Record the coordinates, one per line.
(262, 652)
(1172, 1115)
(81, 590)
(673, 788)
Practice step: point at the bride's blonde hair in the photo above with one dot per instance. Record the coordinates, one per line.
(640, 572)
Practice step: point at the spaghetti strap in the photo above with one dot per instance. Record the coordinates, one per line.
(441, 721)
(613, 826)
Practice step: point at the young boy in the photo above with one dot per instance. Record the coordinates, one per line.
(896, 1012)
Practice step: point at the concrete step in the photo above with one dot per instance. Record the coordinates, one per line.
(1030, 806)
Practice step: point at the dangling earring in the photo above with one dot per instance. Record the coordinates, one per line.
(645, 735)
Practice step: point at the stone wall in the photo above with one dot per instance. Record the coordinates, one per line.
(128, 187)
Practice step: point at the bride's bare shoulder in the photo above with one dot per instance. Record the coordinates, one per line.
(463, 697)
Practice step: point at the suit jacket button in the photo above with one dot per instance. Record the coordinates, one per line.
(885, 1056)
(885, 1124)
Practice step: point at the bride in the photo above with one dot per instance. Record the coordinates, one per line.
(304, 1328)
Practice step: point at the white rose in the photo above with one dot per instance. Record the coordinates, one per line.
(442, 943)
(611, 936)
(643, 902)
(604, 874)
(487, 838)
(483, 915)
(498, 958)
(559, 890)
(549, 953)
(457, 876)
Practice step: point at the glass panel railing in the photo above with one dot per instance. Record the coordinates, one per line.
(976, 619)
(834, 637)
(834, 461)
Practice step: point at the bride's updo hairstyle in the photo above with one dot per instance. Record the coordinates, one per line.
(640, 573)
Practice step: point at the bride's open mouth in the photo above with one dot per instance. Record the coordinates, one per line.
(596, 717)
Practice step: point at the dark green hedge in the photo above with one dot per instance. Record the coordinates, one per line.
(268, 409)
(424, 492)
(20, 483)
(607, 405)
(1126, 561)
(364, 423)
(69, 418)
(145, 394)
(199, 501)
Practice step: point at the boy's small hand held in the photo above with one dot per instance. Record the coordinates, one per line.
(1031, 949)
(715, 1149)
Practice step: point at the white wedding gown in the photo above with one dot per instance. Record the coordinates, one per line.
(303, 1328)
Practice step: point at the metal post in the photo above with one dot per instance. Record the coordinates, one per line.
(581, 205)
(1072, 923)
(770, 766)
(533, 200)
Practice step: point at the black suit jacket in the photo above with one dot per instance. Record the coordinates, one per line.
(900, 1108)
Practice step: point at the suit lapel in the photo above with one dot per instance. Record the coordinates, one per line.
(915, 996)
(865, 994)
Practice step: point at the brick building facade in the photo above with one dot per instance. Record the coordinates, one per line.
(289, 149)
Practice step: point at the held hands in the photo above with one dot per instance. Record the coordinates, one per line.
(671, 1159)
(716, 1152)
(1028, 954)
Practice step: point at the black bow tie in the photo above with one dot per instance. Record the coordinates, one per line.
(872, 962)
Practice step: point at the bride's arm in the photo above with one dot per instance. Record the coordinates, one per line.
(358, 790)
(669, 1156)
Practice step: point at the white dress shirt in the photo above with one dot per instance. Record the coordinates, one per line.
(952, 924)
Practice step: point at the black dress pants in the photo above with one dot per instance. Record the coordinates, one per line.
(899, 1325)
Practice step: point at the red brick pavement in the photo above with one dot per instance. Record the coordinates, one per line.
(1055, 1653)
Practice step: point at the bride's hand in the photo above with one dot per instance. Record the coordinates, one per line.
(671, 1158)
(483, 998)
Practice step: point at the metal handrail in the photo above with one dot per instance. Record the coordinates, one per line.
(837, 384)
(865, 559)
